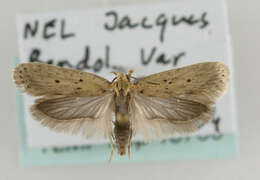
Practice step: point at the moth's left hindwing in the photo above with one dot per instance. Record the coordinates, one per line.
(159, 117)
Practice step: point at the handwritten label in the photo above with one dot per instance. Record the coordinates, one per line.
(164, 36)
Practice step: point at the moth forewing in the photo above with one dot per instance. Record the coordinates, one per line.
(38, 79)
(204, 82)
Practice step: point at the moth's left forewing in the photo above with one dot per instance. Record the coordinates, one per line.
(204, 82)
(179, 100)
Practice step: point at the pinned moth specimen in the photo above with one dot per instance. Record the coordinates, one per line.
(77, 102)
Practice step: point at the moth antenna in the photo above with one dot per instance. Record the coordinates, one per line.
(150, 82)
(129, 144)
(112, 149)
(111, 155)
(114, 79)
(129, 151)
(115, 73)
(134, 78)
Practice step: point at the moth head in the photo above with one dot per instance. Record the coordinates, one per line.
(123, 76)
(122, 83)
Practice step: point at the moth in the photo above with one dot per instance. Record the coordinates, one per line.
(81, 103)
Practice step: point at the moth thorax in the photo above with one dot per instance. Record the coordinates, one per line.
(122, 134)
(122, 84)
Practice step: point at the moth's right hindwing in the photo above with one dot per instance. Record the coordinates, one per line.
(39, 79)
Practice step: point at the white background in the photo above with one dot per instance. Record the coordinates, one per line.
(244, 18)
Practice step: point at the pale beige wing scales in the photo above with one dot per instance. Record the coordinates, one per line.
(39, 79)
(155, 117)
(85, 116)
(179, 100)
(204, 82)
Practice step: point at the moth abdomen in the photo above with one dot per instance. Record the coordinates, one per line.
(122, 134)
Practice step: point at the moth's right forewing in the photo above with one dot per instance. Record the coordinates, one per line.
(203, 82)
(39, 79)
